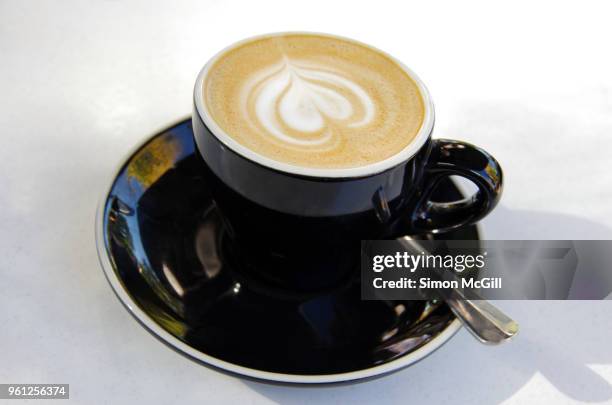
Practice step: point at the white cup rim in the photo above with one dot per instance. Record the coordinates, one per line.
(353, 172)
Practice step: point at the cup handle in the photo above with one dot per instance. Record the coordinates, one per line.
(449, 157)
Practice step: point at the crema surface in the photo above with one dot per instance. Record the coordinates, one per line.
(313, 101)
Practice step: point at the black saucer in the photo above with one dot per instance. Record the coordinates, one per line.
(161, 244)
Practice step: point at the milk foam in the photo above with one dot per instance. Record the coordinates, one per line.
(314, 101)
(306, 98)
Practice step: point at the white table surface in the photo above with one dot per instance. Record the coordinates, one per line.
(81, 82)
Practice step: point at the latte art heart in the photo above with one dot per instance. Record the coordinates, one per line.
(313, 100)
(294, 98)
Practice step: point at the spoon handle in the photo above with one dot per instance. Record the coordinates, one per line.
(486, 322)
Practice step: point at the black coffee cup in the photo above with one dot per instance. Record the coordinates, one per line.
(301, 227)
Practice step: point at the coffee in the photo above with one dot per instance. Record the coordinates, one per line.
(313, 100)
